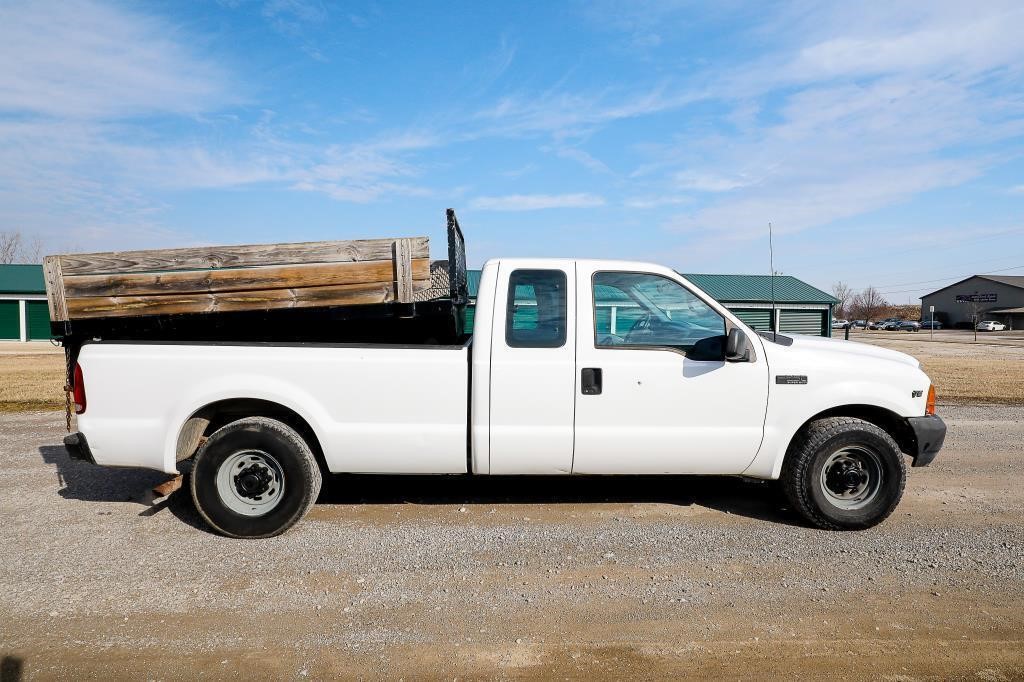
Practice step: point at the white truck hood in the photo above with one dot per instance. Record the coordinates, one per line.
(849, 348)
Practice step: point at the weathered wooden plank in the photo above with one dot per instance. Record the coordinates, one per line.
(54, 289)
(128, 306)
(238, 279)
(214, 257)
(403, 270)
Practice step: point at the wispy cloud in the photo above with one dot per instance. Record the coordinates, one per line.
(869, 117)
(292, 18)
(568, 114)
(535, 202)
(81, 59)
(657, 201)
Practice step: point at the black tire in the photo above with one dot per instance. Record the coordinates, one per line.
(838, 443)
(284, 469)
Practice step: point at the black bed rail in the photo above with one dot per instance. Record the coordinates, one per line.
(457, 279)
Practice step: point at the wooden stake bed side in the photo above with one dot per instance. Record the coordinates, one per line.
(236, 278)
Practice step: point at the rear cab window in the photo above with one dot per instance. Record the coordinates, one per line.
(536, 314)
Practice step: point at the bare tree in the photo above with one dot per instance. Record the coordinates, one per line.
(10, 247)
(14, 248)
(843, 293)
(869, 304)
(32, 250)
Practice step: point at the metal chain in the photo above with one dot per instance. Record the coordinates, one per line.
(68, 379)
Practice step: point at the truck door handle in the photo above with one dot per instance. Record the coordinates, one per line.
(590, 381)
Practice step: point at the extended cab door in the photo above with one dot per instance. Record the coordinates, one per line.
(533, 368)
(655, 393)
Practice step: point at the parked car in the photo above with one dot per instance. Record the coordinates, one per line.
(840, 324)
(908, 326)
(931, 324)
(544, 386)
(859, 324)
(885, 324)
(991, 326)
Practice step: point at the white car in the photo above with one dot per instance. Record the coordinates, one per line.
(550, 383)
(991, 326)
(840, 324)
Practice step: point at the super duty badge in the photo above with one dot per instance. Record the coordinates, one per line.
(791, 379)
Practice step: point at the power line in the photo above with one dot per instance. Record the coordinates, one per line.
(943, 279)
(907, 284)
(930, 247)
(951, 279)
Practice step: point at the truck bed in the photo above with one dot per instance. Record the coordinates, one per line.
(371, 408)
(349, 291)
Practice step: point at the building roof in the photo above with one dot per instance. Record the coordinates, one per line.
(758, 289)
(726, 288)
(1009, 280)
(22, 279)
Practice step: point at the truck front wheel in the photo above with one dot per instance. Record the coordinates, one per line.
(844, 473)
(254, 478)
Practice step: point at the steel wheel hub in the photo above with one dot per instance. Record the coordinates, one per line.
(250, 482)
(851, 477)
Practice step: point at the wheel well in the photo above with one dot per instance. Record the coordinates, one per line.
(204, 421)
(887, 420)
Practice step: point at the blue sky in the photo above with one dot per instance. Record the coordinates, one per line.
(883, 140)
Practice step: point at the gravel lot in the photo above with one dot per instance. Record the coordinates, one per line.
(523, 578)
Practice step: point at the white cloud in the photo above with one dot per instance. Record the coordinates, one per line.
(585, 159)
(657, 201)
(534, 202)
(707, 182)
(82, 59)
(566, 114)
(794, 207)
(1016, 189)
(871, 108)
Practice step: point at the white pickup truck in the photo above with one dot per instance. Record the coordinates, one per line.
(575, 367)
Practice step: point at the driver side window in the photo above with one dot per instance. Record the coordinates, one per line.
(637, 310)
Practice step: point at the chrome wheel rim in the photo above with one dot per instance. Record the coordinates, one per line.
(851, 477)
(250, 482)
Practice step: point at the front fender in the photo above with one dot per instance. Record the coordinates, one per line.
(789, 409)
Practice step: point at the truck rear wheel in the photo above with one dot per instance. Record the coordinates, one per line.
(254, 478)
(844, 473)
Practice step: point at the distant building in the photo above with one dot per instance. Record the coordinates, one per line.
(799, 307)
(24, 315)
(991, 297)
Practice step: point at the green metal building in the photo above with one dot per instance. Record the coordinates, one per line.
(799, 307)
(23, 312)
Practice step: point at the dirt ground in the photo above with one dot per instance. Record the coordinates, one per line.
(449, 578)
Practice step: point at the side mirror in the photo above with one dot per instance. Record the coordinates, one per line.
(736, 348)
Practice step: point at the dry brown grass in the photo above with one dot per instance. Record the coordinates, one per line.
(975, 379)
(31, 382)
(991, 370)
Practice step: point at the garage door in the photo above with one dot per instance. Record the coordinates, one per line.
(10, 320)
(468, 317)
(758, 320)
(38, 320)
(802, 322)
